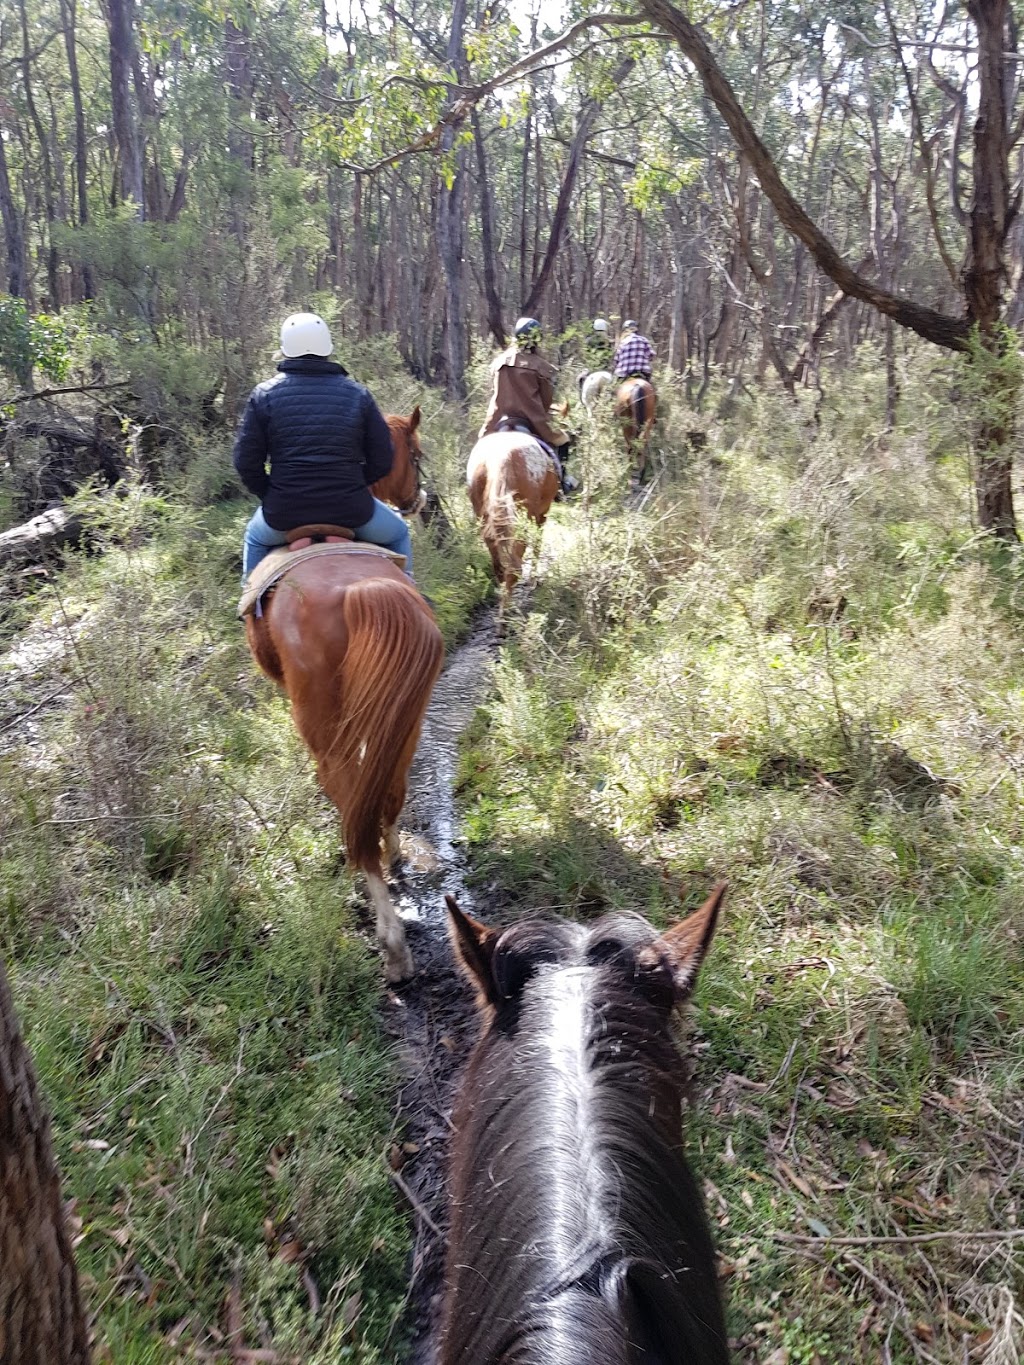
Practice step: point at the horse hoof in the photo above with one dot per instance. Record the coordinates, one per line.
(399, 968)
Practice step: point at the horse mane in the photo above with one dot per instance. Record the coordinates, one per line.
(588, 1241)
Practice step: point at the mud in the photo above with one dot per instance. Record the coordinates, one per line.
(431, 1018)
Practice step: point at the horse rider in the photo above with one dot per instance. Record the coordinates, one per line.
(523, 393)
(325, 440)
(634, 354)
(598, 347)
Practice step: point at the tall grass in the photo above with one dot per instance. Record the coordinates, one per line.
(794, 664)
(188, 953)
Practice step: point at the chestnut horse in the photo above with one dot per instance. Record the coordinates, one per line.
(510, 475)
(635, 406)
(401, 488)
(578, 1232)
(357, 650)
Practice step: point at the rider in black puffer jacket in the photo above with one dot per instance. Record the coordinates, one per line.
(325, 441)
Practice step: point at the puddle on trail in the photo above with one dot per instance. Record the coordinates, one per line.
(431, 1018)
(33, 680)
(433, 861)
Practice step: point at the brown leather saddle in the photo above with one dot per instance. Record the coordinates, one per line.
(305, 542)
(318, 533)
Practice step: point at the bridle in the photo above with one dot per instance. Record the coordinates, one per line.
(419, 497)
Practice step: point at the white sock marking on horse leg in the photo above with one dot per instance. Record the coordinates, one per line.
(390, 931)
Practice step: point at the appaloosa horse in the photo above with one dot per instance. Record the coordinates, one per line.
(578, 1233)
(635, 406)
(401, 488)
(357, 650)
(510, 476)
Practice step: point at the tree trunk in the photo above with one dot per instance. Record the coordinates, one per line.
(14, 239)
(69, 16)
(41, 1317)
(492, 298)
(241, 145)
(52, 281)
(584, 127)
(125, 121)
(984, 277)
(451, 217)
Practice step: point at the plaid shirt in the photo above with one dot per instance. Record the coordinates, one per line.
(634, 355)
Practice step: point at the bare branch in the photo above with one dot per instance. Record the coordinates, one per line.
(54, 393)
(939, 328)
(472, 95)
(929, 175)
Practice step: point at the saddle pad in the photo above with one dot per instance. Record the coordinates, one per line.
(268, 572)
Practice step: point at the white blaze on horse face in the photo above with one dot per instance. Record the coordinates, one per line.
(571, 1131)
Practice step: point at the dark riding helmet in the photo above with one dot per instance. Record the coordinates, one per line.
(528, 333)
(631, 325)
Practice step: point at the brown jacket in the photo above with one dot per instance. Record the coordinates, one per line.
(523, 392)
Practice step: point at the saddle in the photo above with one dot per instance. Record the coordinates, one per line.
(304, 542)
(321, 532)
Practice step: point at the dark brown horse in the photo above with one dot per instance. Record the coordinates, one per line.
(401, 488)
(357, 650)
(510, 477)
(635, 406)
(578, 1233)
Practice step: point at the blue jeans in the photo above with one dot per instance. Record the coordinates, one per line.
(385, 528)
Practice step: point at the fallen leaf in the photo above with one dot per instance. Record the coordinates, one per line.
(795, 1180)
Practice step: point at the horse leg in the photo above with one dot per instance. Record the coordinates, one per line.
(392, 846)
(390, 929)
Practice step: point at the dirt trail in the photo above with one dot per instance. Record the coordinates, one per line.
(432, 1019)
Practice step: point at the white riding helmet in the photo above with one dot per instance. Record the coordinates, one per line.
(305, 334)
(600, 325)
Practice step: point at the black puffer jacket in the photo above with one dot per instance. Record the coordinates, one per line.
(325, 440)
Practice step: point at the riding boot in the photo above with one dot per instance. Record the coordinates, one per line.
(569, 484)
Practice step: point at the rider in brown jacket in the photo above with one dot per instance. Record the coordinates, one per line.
(524, 392)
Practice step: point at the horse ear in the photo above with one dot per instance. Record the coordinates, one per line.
(683, 948)
(474, 947)
(414, 419)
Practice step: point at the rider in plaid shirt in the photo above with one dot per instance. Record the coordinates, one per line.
(634, 353)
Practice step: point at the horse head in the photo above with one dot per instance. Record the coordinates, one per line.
(571, 1197)
(663, 967)
(403, 486)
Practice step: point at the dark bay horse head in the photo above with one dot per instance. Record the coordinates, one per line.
(402, 487)
(578, 1232)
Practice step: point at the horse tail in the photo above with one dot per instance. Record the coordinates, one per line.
(638, 400)
(500, 517)
(581, 379)
(391, 662)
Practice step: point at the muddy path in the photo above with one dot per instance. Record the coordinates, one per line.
(431, 1019)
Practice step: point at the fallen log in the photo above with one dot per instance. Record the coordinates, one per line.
(35, 540)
